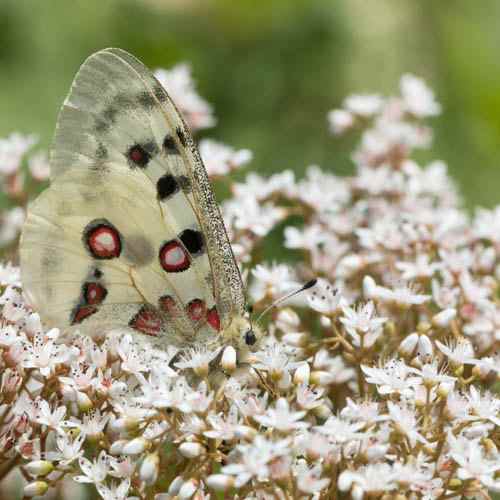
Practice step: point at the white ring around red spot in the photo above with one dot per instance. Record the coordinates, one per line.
(173, 257)
(94, 293)
(196, 309)
(104, 242)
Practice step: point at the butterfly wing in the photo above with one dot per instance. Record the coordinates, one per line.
(129, 232)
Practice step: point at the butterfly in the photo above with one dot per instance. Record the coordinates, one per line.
(129, 233)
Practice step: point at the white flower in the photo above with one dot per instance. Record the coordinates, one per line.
(307, 238)
(39, 166)
(12, 150)
(68, 449)
(309, 479)
(487, 224)
(340, 121)
(179, 84)
(368, 478)
(116, 491)
(275, 359)
(484, 406)
(458, 351)
(220, 159)
(364, 104)
(92, 424)
(394, 376)
(364, 411)
(340, 430)
(160, 391)
(44, 354)
(403, 296)
(472, 460)
(93, 472)
(421, 268)
(432, 374)
(10, 226)
(418, 98)
(254, 459)
(325, 299)
(247, 214)
(308, 397)
(281, 418)
(10, 275)
(197, 358)
(133, 360)
(405, 421)
(361, 324)
(223, 427)
(50, 418)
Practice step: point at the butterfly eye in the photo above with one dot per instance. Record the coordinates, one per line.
(250, 338)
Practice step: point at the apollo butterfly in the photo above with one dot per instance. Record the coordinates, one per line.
(129, 233)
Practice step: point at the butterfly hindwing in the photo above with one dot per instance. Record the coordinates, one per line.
(129, 197)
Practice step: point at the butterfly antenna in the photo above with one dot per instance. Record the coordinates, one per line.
(277, 302)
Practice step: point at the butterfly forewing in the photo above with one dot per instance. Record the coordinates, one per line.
(129, 233)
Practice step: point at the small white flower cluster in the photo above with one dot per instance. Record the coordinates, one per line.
(377, 383)
(13, 151)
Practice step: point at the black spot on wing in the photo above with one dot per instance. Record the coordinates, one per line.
(146, 100)
(169, 145)
(139, 155)
(185, 183)
(192, 241)
(166, 187)
(181, 135)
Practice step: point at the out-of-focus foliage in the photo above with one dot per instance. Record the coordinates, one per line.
(273, 69)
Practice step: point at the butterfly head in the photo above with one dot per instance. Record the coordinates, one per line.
(242, 333)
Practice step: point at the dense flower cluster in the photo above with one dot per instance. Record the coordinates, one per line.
(376, 383)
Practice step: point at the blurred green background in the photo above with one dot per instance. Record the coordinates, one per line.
(273, 69)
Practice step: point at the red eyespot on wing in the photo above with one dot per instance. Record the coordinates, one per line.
(196, 309)
(173, 257)
(103, 241)
(213, 318)
(82, 312)
(94, 293)
(146, 321)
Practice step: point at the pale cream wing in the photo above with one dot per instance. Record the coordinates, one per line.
(118, 113)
